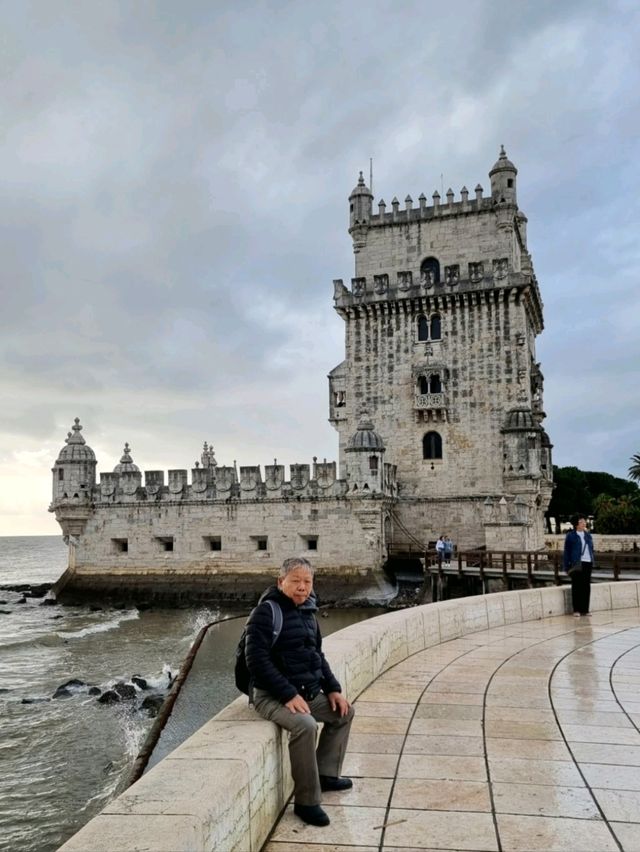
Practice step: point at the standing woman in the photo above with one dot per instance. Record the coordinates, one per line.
(578, 562)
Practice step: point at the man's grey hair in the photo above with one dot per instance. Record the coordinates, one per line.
(294, 562)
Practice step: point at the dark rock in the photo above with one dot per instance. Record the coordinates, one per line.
(119, 605)
(109, 697)
(143, 607)
(54, 617)
(95, 609)
(125, 690)
(61, 692)
(49, 602)
(152, 704)
(21, 600)
(39, 591)
(140, 682)
(5, 611)
(4, 689)
(73, 682)
(34, 700)
(94, 690)
(2, 603)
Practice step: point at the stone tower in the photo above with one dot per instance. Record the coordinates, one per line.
(74, 478)
(440, 327)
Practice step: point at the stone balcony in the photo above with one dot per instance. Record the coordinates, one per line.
(429, 401)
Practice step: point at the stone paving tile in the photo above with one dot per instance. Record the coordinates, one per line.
(601, 734)
(544, 800)
(377, 724)
(619, 805)
(586, 717)
(527, 749)
(429, 697)
(523, 730)
(622, 755)
(455, 727)
(448, 711)
(440, 830)
(368, 792)
(442, 766)
(553, 834)
(425, 794)
(519, 714)
(611, 777)
(518, 770)
(380, 708)
(392, 695)
(370, 765)
(376, 743)
(350, 826)
(461, 746)
(628, 833)
(507, 698)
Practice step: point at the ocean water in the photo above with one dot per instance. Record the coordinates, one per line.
(63, 759)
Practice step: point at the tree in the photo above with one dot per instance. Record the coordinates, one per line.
(634, 470)
(619, 516)
(570, 494)
(604, 483)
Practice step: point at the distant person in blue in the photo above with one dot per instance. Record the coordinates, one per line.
(578, 563)
(448, 551)
(295, 688)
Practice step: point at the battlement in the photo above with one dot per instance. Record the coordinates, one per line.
(436, 209)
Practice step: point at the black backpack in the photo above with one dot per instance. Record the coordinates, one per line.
(243, 678)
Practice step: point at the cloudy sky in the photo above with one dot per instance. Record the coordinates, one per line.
(174, 208)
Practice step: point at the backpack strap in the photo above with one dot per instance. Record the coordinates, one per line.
(276, 612)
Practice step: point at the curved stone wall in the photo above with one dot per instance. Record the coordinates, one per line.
(224, 788)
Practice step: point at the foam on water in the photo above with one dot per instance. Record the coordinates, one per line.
(103, 627)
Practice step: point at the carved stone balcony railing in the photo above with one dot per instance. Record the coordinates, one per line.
(429, 400)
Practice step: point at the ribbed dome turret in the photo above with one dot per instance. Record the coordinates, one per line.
(126, 464)
(361, 188)
(503, 163)
(520, 419)
(365, 439)
(76, 449)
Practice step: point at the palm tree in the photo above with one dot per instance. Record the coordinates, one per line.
(634, 470)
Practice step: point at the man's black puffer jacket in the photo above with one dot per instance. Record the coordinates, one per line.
(295, 664)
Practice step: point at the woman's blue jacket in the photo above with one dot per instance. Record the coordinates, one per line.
(573, 548)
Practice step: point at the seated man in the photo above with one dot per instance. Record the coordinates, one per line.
(294, 687)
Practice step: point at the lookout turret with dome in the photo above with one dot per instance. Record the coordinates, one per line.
(74, 472)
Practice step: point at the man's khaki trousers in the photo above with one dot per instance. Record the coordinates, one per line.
(307, 761)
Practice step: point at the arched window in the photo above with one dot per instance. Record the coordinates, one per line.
(373, 464)
(424, 384)
(432, 446)
(423, 328)
(436, 327)
(435, 384)
(430, 271)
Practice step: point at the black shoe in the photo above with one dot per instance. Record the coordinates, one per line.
(328, 782)
(312, 814)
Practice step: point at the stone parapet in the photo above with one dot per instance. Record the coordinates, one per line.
(225, 787)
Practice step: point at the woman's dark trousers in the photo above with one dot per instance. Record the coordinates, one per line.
(581, 589)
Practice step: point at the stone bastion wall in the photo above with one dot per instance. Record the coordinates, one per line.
(225, 787)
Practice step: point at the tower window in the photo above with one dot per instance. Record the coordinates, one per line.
(60, 474)
(373, 464)
(213, 542)
(423, 328)
(261, 542)
(424, 384)
(510, 183)
(435, 384)
(165, 542)
(432, 446)
(312, 543)
(120, 545)
(436, 327)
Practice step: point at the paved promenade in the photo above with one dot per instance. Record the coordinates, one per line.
(524, 737)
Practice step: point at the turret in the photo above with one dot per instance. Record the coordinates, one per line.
(364, 452)
(503, 179)
(74, 472)
(360, 205)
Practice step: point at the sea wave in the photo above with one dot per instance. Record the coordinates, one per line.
(102, 627)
